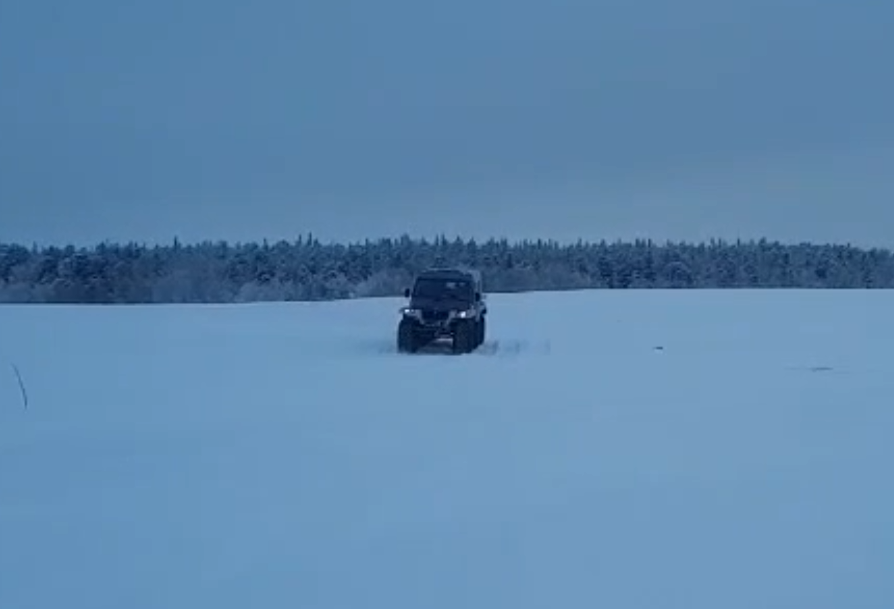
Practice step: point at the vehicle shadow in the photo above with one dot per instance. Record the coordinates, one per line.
(437, 347)
(489, 348)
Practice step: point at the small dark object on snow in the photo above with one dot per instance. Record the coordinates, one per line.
(21, 386)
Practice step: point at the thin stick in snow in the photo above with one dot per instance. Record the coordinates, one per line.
(21, 386)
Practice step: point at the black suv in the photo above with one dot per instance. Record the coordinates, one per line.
(444, 303)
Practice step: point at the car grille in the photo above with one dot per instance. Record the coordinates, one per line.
(434, 316)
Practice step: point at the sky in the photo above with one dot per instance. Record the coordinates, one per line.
(567, 119)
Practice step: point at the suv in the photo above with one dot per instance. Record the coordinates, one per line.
(444, 303)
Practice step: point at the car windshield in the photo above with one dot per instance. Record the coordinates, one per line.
(443, 289)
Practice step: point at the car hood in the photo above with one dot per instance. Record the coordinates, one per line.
(440, 306)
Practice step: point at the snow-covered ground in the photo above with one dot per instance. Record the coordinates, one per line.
(717, 450)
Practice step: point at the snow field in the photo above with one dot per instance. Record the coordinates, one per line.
(605, 448)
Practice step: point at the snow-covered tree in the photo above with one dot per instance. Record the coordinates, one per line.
(306, 269)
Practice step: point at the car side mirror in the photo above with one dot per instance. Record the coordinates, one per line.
(477, 296)
(406, 292)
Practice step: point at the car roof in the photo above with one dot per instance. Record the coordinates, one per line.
(451, 273)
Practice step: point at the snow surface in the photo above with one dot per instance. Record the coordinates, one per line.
(691, 449)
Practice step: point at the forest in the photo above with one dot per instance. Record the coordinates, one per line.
(306, 269)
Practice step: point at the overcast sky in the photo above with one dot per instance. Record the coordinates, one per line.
(563, 119)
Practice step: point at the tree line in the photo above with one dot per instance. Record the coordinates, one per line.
(306, 269)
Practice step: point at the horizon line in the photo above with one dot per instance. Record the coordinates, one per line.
(310, 237)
